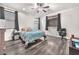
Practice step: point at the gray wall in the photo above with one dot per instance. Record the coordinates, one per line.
(69, 20)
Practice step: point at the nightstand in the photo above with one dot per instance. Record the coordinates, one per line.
(72, 49)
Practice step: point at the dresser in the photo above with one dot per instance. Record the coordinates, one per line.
(2, 41)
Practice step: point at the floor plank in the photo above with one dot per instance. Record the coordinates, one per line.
(53, 46)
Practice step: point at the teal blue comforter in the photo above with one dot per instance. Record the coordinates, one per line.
(31, 36)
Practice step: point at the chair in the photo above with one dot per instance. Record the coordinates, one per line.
(62, 32)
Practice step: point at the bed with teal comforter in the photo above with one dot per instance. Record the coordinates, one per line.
(31, 36)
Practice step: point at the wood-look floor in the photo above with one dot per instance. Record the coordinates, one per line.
(53, 46)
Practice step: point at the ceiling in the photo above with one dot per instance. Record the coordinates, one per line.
(29, 8)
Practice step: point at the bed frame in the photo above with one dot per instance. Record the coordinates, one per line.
(26, 44)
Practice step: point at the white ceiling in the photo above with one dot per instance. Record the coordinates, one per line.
(54, 7)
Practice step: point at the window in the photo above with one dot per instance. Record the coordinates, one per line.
(53, 21)
(10, 19)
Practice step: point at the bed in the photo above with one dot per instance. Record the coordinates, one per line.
(29, 37)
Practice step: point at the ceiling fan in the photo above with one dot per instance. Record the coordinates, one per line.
(42, 7)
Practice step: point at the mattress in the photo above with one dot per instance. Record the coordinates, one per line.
(31, 36)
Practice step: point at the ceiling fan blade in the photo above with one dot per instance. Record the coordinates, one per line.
(44, 10)
(46, 7)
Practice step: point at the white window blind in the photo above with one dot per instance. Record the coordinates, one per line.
(10, 19)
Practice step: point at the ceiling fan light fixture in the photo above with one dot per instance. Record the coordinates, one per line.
(40, 4)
